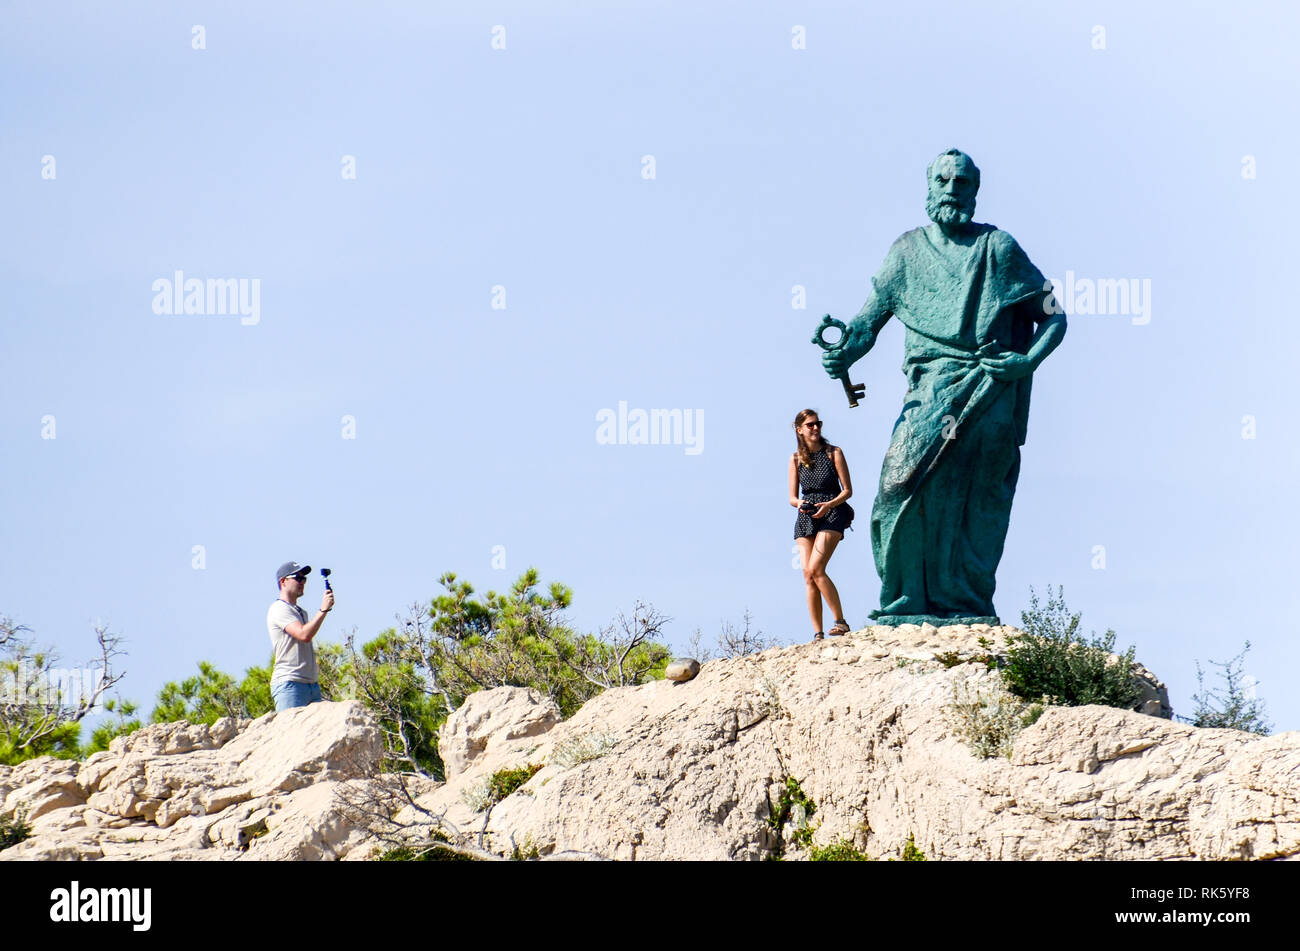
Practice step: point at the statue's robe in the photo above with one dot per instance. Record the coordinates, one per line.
(941, 513)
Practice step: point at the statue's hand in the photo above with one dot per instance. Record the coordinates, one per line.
(1008, 366)
(838, 361)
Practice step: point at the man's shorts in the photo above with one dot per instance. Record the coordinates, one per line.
(292, 693)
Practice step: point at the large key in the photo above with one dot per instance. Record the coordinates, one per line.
(854, 391)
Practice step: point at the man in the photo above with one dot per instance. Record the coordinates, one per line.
(969, 299)
(295, 681)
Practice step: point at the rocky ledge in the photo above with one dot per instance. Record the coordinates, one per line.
(864, 724)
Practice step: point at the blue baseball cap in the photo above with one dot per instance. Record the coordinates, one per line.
(291, 568)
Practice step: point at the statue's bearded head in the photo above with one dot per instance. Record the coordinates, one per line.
(953, 181)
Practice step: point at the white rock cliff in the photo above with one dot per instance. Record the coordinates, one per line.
(692, 770)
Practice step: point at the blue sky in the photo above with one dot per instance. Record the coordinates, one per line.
(1146, 144)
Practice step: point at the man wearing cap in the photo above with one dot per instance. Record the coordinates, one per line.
(295, 681)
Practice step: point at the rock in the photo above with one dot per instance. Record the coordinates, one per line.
(491, 717)
(656, 772)
(310, 823)
(672, 774)
(160, 792)
(682, 669)
(41, 786)
(1153, 698)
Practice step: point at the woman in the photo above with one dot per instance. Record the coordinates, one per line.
(819, 469)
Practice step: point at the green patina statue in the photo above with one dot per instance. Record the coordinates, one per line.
(969, 298)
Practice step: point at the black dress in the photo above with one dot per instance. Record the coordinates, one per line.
(820, 483)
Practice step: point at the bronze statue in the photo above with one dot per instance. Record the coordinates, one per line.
(979, 320)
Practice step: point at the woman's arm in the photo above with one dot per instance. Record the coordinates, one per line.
(846, 486)
(794, 480)
(842, 470)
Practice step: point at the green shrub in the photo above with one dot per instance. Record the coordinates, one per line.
(521, 639)
(490, 790)
(951, 659)
(214, 694)
(433, 852)
(1034, 711)
(527, 853)
(386, 675)
(842, 851)
(14, 828)
(1051, 661)
(793, 808)
(437, 848)
(62, 742)
(125, 724)
(506, 781)
(1231, 709)
(412, 678)
(911, 853)
(41, 710)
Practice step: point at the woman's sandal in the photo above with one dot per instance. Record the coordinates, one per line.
(840, 629)
(818, 636)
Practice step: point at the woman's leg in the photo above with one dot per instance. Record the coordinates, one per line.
(819, 584)
(813, 594)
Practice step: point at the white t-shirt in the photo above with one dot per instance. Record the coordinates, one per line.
(294, 659)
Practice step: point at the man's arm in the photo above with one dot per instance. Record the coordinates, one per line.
(859, 338)
(1051, 331)
(866, 325)
(1047, 338)
(305, 632)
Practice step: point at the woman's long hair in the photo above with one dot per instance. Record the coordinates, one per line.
(803, 452)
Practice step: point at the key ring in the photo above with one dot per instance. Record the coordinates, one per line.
(854, 391)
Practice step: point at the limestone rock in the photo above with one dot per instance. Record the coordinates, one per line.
(1153, 698)
(489, 718)
(173, 790)
(866, 725)
(661, 773)
(682, 669)
(42, 785)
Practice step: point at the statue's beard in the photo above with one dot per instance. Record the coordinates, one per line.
(949, 214)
